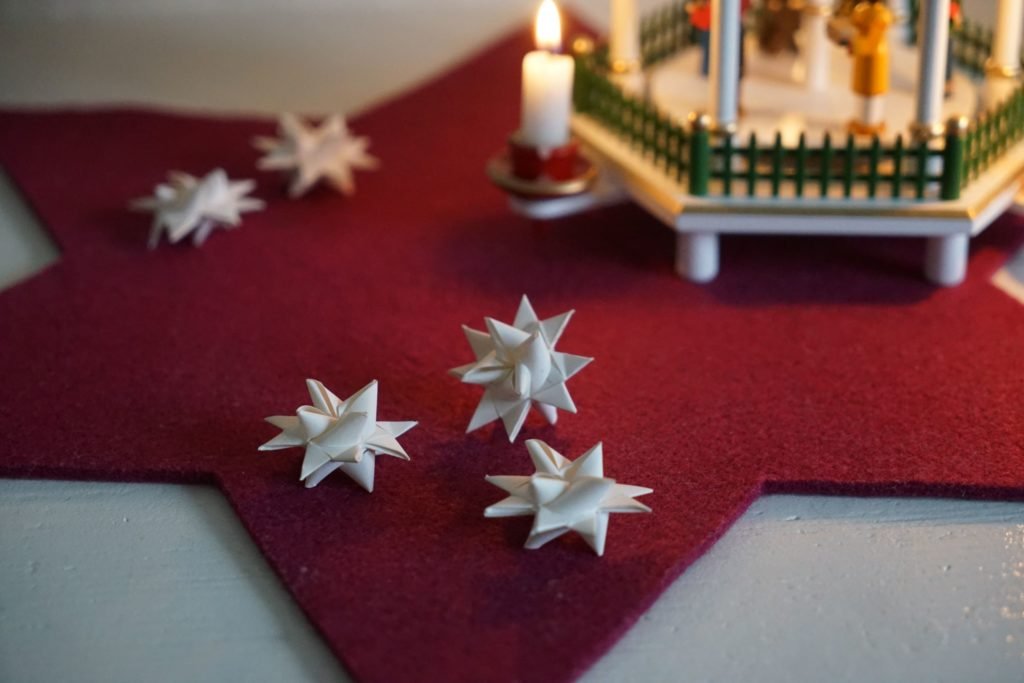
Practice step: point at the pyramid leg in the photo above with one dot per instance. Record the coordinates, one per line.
(945, 261)
(697, 256)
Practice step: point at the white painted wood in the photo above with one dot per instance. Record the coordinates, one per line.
(844, 590)
(945, 260)
(788, 215)
(818, 49)
(808, 222)
(697, 256)
(997, 206)
(931, 65)
(724, 62)
(1007, 37)
(624, 36)
(118, 583)
(114, 583)
(1005, 52)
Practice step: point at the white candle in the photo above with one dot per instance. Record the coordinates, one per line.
(547, 84)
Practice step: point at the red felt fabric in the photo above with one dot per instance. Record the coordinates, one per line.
(811, 364)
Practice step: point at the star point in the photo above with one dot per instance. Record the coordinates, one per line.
(565, 495)
(310, 153)
(339, 434)
(519, 367)
(185, 205)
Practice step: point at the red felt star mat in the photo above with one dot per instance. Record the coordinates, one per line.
(811, 364)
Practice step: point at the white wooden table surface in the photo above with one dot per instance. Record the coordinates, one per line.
(119, 582)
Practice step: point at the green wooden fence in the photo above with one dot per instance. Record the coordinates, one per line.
(708, 165)
(848, 168)
(664, 32)
(991, 135)
(971, 46)
(634, 119)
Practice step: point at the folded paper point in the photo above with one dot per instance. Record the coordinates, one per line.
(565, 495)
(310, 153)
(185, 205)
(339, 434)
(519, 367)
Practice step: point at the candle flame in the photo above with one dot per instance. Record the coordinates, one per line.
(547, 30)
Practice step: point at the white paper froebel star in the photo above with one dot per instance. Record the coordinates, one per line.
(310, 153)
(339, 434)
(518, 366)
(565, 495)
(186, 205)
